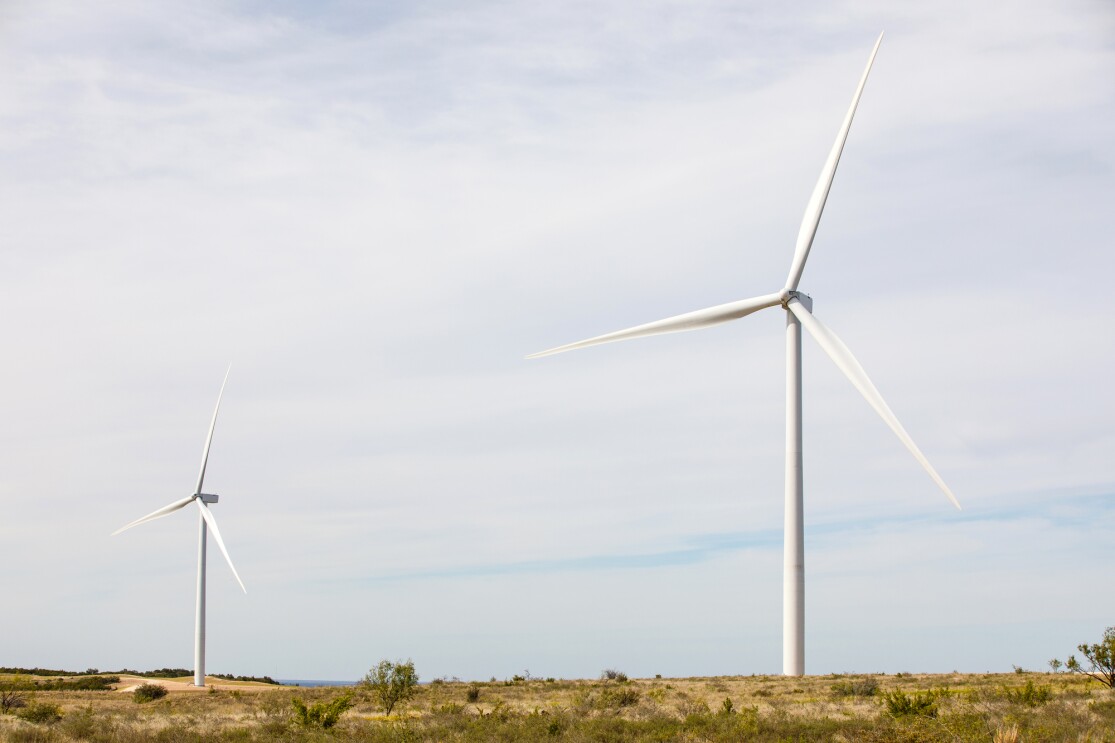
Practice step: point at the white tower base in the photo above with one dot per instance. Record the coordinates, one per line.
(793, 565)
(199, 623)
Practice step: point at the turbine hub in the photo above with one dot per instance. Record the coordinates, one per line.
(788, 294)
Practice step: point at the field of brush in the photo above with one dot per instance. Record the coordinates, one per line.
(903, 707)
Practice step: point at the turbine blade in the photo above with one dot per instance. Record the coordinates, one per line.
(689, 321)
(209, 438)
(816, 204)
(847, 363)
(212, 522)
(156, 514)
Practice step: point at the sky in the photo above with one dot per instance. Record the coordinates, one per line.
(374, 211)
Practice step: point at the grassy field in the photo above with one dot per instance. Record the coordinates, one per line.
(952, 707)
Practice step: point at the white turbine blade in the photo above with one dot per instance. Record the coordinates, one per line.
(847, 363)
(156, 514)
(689, 321)
(816, 204)
(212, 522)
(209, 438)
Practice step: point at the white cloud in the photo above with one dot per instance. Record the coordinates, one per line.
(375, 214)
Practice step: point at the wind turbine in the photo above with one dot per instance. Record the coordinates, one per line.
(798, 308)
(206, 521)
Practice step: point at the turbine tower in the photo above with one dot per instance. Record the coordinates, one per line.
(798, 307)
(206, 521)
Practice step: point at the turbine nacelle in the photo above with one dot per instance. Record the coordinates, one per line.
(207, 497)
(788, 295)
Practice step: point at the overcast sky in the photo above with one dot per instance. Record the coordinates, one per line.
(374, 211)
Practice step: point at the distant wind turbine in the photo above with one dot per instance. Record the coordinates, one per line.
(207, 520)
(798, 308)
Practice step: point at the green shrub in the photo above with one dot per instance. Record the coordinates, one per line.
(1028, 695)
(450, 708)
(740, 725)
(607, 697)
(865, 687)
(41, 713)
(148, 693)
(322, 714)
(900, 704)
(611, 697)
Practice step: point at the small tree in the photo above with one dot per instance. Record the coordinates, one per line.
(391, 683)
(323, 714)
(1101, 656)
(11, 694)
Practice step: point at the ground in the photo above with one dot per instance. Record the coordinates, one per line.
(1003, 708)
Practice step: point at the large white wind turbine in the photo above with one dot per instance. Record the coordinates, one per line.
(206, 521)
(798, 308)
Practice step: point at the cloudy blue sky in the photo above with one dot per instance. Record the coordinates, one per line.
(375, 210)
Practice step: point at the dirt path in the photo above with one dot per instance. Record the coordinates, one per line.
(128, 684)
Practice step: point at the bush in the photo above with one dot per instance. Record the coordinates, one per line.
(148, 693)
(899, 704)
(1101, 656)
(41, 713)
(473, 693)
(611, 674)
(1028, 695)
(82, 683)
(84, 724)
(619, 697)
(391, 683)
(322, 714)
(865, 687)
(609, 697)
(11, 695)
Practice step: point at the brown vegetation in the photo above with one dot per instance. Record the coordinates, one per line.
(952, 707)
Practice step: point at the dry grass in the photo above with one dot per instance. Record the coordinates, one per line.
(765, 708)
